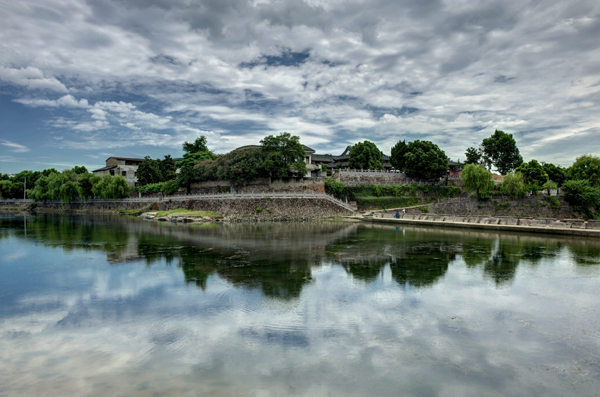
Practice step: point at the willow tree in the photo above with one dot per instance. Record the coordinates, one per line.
(478, 180)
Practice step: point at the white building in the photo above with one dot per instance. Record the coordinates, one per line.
(123, 166)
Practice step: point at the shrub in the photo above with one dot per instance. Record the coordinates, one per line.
(167, 188)
(582, 196)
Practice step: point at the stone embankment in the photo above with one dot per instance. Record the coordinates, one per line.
(254, 209)
(503, 206)
(178, 218)
(577, 227)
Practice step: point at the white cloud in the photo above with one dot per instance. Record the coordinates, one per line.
(32, 78)
(14, 147)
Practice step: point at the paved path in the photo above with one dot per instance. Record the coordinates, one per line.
(512, 228)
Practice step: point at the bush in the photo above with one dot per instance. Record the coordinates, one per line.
(554, 203)
(167, 188)
(583, 197)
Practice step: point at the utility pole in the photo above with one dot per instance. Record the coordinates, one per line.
(25, 189)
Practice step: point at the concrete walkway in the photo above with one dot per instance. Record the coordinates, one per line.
(572, 228)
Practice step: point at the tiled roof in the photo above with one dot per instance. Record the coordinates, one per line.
(126, 158)
(108, 167)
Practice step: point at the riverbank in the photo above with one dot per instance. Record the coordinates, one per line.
(573, 227)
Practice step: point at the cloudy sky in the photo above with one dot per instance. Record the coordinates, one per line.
(82, 81)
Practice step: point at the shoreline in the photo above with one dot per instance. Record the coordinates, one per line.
(465, 225)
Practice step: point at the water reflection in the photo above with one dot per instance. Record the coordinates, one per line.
(125, 307)
(277, 259)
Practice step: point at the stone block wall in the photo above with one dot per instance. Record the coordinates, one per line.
(249, 209)
(288, 185)
(533, 206)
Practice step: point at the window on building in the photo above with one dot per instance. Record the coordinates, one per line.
(123, 173)
(112, 172)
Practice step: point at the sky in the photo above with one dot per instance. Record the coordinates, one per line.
(82, 81)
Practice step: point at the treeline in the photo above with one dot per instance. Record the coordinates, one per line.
(580, 182)
(70, 184)
(280, 156)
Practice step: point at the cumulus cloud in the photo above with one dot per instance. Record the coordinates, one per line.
(340, 71)
(32, 78)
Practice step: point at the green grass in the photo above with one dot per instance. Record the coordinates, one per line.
(130, 211)
(186, 212)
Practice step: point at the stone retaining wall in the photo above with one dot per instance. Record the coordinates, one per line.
(266, 185)
(255, 209)
(533, 206)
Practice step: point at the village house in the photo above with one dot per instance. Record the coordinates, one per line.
(122, 166)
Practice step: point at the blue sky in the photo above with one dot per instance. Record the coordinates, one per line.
(82, 81)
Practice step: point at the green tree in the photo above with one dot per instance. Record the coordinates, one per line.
(241, 166)
(586, 167)
(111, 187)
(533, 173)
(86, 183)
(199, 145)
(500, 150)
(583, 196)
(425, 160)
(365, 156)
(40, 191)
(473, 156)
(476, 179)
(556, 173)
(398, 152)
(513, 185)
(283, 155)
(156, 171)
(187, 172)
(549, 185)
(79, 170)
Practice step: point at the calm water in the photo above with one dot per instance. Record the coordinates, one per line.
(117, 306)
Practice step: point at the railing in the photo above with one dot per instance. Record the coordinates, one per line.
(229, 196)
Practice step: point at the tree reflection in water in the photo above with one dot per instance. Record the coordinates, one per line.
(277, 258)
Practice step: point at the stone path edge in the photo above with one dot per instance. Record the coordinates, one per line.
(512, 228)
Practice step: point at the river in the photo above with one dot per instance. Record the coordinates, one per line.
(100, 305)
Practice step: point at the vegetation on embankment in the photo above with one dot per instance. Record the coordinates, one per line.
(392, 196)
(192, 213)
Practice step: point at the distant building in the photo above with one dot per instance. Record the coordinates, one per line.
(122, 166)
(455, 168)
(342, 160)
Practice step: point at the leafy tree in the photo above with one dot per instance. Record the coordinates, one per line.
(241, 166)
(40, 192)
(583, 196)
(478, 180)
(187, 173)
(111, 187)
(283, 155)
(425, 160)
(156, 171)
(473, 156)
(549, 185)
(501, 150)
(86, 183)
(398, 152)
(556, 173)
(533, 173)
(366, 156)
(586, 167)
(199, 145)
(79, 170)
(513, 185)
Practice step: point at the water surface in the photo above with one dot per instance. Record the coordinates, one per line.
(118, 306)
